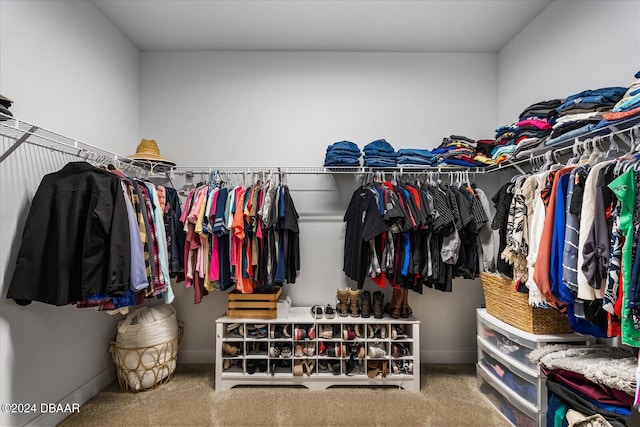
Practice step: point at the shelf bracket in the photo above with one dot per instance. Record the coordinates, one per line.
(18, 143)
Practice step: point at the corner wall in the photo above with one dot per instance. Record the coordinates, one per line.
(69, 70)
(570, 47)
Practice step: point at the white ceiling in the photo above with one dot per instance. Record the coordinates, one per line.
(322, 25)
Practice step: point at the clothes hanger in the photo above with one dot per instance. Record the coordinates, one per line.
(576, 153)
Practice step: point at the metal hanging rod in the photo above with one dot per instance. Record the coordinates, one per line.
(183, 170)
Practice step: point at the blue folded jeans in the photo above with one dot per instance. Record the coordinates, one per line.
(344, 145)
(378, 153)
(379, 162)
(380, 145)
(414, 160)
(614, 94)
(414, 152)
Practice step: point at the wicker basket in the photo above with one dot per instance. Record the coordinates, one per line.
(512, 307)
(145, 368)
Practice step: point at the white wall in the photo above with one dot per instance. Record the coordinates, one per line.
(283, 109)
(69, 70)
(571, 46)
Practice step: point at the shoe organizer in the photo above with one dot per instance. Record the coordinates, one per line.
(317, 353)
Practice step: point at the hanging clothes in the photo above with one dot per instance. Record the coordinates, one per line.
(415, 234)
(89, 240)
(242, 236)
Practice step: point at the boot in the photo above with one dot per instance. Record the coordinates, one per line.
(378, 305)
(342, 298)
(405, 310)
(365, 304)
(354, 298)
(394, 307)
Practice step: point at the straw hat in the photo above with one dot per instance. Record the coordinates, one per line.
(148, 150)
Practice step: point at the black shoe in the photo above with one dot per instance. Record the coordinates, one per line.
(378, 305)
(365, 304)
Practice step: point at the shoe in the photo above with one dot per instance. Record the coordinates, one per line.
(356, 329)
(322, 365)
(316, 312)
(309, 349)
(326, 332)
(233, 330)
(231, 350)
(251, 367)
(299, 333)
(274, 352)
(298, 351)
(378, 305)
(376, 352)
(334, 351)
(370, 333)
(262, 366)
(373, 368)
(342, 297)
(365, 304)
(394, 308)
(226, 364)
(298, 369)
(405, 310)
(380, 331)
(276, 331)
(285, 352)
(308, 367)
(361, 352)
(397, 333)
(348, 333)
(286, 331)
(329, 312)
(311, 333)
(354, 299)
(384, 369)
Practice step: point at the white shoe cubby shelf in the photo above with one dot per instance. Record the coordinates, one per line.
(318, 353)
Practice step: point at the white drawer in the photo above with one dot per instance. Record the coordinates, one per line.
(524, 384)
(519, 412)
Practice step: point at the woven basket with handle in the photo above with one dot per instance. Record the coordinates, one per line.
(512, 307)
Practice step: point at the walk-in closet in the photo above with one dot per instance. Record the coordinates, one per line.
(335, 212)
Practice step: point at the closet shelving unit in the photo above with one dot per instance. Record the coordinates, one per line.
(20, 132)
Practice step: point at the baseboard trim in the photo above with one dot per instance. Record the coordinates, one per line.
(197, 356)
(78, 397)
(448, 357)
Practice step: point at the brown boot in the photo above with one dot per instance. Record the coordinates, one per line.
(405, 310)
(394, 308)
(354, 298)
(342, 306)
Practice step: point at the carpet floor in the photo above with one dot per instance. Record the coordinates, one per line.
(448, 397)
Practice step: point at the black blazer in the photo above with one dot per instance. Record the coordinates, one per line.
(76, 239)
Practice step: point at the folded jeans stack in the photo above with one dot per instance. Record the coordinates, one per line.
(342, 153)
(414, 157)
(380, 154)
